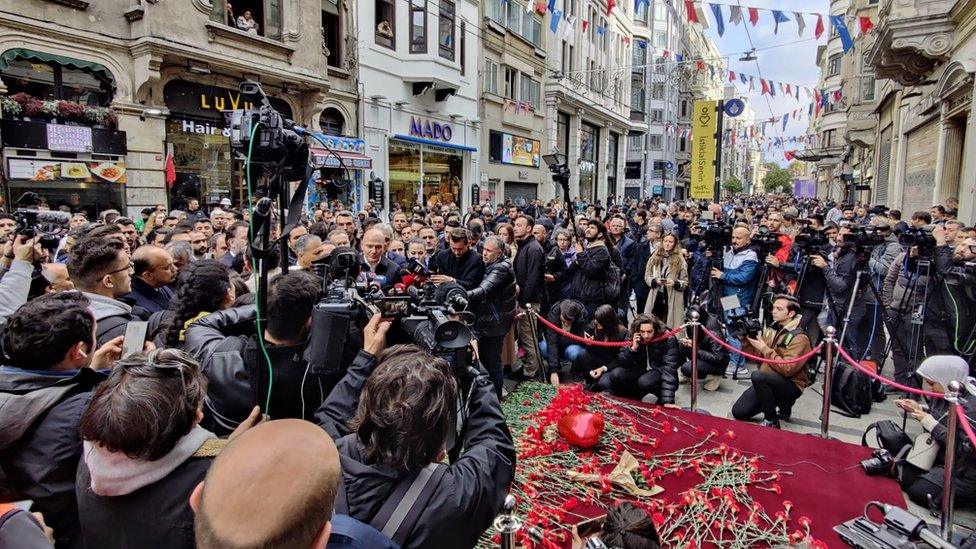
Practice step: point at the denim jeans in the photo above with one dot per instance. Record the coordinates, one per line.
(571, 352)
(735, 359)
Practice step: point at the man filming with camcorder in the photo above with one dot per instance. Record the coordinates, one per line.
(391, 417)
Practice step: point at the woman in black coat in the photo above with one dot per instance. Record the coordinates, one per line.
(712, 357)
(646, 367)
(493, 302)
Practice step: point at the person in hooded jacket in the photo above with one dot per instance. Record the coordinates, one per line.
(51, 372)
(648, 366)
(390, 417)
(493, 301)
(145, 452)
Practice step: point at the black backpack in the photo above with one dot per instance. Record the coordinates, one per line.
(851, 391)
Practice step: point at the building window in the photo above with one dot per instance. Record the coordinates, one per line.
(828, 138)
(496, 11)
(50, 81)
(386, 23)
(657, 91)
(867, 87)
(660, 12)
(523, 23)
(258, 17)
(511, 83)
(657, 116)
(418, 26)
(491, 76)
(654, 142)
(529, 90)
(532, 29)
(833, 65)
(331, 121)
(660, 39)
(464, 48)
(562, 133)
(684, 108)
(682, 145)
(635, 142)
(445, 27)
(332, 33)
(637, 93)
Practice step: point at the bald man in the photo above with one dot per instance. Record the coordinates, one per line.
(57, 277)
(272, 486)
(154, 271)
(375, 264)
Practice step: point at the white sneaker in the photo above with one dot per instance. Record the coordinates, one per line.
(712, 383)
(734, 373)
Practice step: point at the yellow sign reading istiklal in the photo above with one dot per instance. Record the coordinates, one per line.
(703, 145)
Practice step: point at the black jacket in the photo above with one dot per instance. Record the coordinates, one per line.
(559, 288)
(493, 301)
(590, 274)
(39, 442)
(530, 263)
(661, 356)
(467, 270)
(638, 264)
(146, 297)
(627, 248)
(555, 341)
(711, 356)
(157, 515)
(386, 268)
(469, 494)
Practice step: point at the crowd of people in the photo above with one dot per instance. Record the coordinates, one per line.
(184, 440)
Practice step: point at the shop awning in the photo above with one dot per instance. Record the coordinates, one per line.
(325, 158)
(33, 55)
(434, 143)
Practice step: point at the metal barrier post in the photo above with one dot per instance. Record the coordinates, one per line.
(507, 523)
(694, 316)
(829, 341)
(948, 477)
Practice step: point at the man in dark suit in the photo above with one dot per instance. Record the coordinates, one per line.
(530, 261)
(458, 263)
(374, 261)
(154, 270)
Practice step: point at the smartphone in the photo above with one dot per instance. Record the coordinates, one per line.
(135, 337)
(589, 527)
(394, 307)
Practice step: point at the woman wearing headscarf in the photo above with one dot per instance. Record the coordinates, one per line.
(920, 485)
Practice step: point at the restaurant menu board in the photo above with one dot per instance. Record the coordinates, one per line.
(54, 170)
(64, 138)
(520, 151)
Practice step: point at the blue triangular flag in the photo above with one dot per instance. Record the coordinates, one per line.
(717, 10)
(810, 110)
(779, 17)
(642, 45)
(601, 30)
(772, 88)
(638, 4)
(554, 22)
(679, 58)
(845, 36)
(552, 5)
(786, 118)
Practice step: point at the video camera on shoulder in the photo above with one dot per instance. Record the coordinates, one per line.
(49, 225)
(765, 242)
(717, 235)
(811, 241)
(918, 237)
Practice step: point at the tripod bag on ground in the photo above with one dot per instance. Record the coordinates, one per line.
(851, 391)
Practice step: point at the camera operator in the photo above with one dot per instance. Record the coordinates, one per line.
(741, 267)
(840, 271)
(225, 344)
(912, 276)
(882, 256)
(459, 263)
(775, 387)
(16, 283)
(390, 417)
(712, 357)
(46, 382)
(810, 285)
(493, 301)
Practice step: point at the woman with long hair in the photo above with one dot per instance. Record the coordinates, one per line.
(605, 326)
(667, 276)
(507, 232)
(204, 287)
(509, 346)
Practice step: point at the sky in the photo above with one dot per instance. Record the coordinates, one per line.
(790, 59)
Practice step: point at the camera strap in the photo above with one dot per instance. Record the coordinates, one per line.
(295, 206)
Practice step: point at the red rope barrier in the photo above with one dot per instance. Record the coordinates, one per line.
(882, 379)
(595, 343)
(964, 422)
(755, 358)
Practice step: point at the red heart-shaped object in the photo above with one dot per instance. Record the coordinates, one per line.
(581, 429)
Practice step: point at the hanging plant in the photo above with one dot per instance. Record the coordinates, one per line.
(10, 107)
(69, 110)
(102, 116)
(49, 109)
(33, 107)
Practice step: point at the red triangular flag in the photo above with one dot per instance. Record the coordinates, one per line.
(610, 5)
(692, 13)
(585, 24)
(818, 32)
(665, 54)
(765, 87)
(866, 24)
(701, 66)
(731, 76)
(788, 91)
(790, 155)
(170, 170)
(753, 16)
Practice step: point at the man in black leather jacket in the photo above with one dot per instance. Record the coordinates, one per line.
(226, 346)
(712, 357)
(493, 301)
(383, 446)
(645, 367)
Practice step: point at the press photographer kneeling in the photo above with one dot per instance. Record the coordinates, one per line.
(391, 417)
(775, 386)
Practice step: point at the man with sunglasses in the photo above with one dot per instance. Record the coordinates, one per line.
(101, 268)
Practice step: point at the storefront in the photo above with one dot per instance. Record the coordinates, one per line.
(427, 165)
(199, 142)
(341, 162)
(59, 136)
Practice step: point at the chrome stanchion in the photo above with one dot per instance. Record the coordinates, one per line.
(694, 316)
(948, 477)
(829, 341)
(507, 523)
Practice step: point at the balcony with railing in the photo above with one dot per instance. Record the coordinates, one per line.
(912, 38)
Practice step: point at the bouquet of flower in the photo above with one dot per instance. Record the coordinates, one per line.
(10, 107)
(69, 110)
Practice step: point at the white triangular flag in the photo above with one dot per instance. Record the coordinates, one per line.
(529, 6)
(735, 14)
(570, 23)
(800, 23)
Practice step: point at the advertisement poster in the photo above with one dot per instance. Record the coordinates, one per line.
(703, 149)
(521, 151)
(56, 170)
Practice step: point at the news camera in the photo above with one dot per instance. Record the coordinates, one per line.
(29, 221)
(765, 242)
(918, 237)
(864, 238)
(962, 276)
(716, 235)
(745, 324)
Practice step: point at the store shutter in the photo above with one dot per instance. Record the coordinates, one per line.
(884, 165)
(920, 169)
